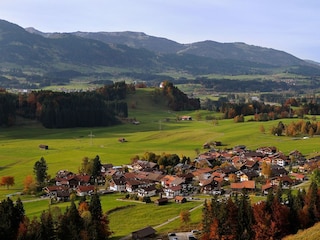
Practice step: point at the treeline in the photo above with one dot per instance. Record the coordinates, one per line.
(261, 111)
(75, 109)
(280, 215)
(85, 221)
(297, 128)
(175, 99)
(7, 108)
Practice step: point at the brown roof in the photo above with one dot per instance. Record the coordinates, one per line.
(85, 188)
(266, 186)
(244, 185)
(143, 233)
(180, 199)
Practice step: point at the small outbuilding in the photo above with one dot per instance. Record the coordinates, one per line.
(43, 146)
(180, 199)
(145, 233)
(161, 201)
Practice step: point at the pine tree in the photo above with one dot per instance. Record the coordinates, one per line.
(71, 224)
(245, 217)
(95, 207)
(40, 170)
(96, 168)
(47, 226)
(11, 217)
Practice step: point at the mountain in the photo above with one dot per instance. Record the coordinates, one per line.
(48, 56)
(211, 49)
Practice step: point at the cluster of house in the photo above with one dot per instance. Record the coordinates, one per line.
(239, 169)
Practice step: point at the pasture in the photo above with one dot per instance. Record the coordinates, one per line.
(158, 132)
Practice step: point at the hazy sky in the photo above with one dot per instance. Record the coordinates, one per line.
(288, 25)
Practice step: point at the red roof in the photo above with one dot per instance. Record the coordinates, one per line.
(85, 188)
(244, 184)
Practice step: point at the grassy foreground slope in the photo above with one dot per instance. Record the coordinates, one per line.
(312, 233)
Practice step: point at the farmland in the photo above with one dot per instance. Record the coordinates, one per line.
(158, 132)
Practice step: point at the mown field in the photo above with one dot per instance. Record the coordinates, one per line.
(158, 132)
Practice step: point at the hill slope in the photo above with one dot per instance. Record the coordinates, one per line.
(310, 234)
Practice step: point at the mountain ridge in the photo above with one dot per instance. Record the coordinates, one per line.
(206, 48)
(135, 55)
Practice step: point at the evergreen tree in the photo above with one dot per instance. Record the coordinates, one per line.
(245, 217)
(96, 168)
(47, 226)
(10, 218)
(95, 207)
(71, 224)
(99, 227)
(40, 170)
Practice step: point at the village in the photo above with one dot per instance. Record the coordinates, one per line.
(257, 171)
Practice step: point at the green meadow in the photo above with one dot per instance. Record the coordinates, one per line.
(158, 132)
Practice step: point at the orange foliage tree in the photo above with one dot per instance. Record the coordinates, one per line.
(7, 181)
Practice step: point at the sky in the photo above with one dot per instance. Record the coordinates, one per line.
(287, 25)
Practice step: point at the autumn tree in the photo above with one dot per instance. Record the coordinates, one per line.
(280, 214)
(185, 217)
(29, 184)
(7, 181)
(262, 129)
(266, 169)
(86, 166)
(262, 217)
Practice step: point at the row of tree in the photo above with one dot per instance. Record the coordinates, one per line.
(64, 110)
(87, 221)
(166, 161)
(280, 215)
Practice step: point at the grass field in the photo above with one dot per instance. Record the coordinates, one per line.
(157, 132)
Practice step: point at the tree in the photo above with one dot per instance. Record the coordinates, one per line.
(11, 217)
(40, 170)
(29, 184)
(71, 224)
(262, 219)
(47, 226)
(185, 217)
(99, 227)
(266, 169)
(245, 216)
(7, 181)
(96, 167)
(315, 176)
(95, 206)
